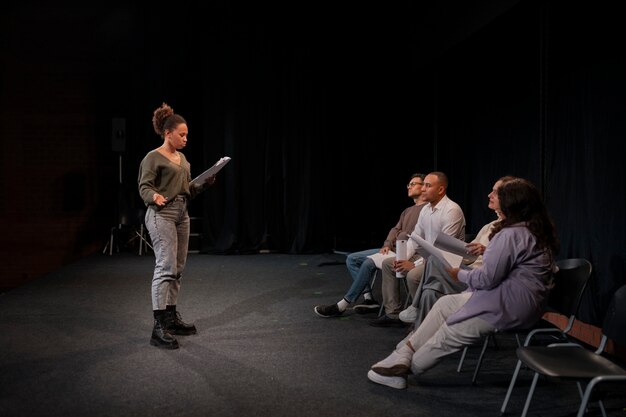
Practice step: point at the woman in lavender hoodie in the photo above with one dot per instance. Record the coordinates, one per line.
(509, 290)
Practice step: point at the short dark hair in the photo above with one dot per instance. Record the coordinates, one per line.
(443, 178)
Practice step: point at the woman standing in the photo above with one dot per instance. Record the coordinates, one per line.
(164, 186)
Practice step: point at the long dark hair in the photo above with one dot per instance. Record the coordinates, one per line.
(521, 202)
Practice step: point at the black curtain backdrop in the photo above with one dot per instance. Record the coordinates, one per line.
(326, 109)
(585, 153)
(326, 115)
(316, 111)
(539, 93)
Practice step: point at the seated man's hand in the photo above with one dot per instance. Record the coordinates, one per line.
(403, 266)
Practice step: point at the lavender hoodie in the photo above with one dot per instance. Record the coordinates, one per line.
(511, 288)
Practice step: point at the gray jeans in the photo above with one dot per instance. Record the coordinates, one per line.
(169, 231)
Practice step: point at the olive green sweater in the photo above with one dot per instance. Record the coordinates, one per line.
(157, 174)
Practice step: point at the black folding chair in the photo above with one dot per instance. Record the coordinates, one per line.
(570, 361)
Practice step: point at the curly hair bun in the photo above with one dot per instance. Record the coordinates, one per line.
(159, 117)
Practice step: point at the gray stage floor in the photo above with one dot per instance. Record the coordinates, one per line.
(75, 343)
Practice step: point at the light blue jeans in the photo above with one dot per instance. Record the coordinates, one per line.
(362, 270)
(169, 232)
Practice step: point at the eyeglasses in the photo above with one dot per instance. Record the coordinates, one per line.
(413, 184)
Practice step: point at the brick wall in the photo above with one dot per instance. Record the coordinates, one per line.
(52, 172)
(586, 333)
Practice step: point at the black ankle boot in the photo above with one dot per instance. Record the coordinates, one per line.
(162, 338)
(175, 325)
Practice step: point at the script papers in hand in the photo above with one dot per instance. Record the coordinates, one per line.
(448, 259)
(211, 171)
(457, 246)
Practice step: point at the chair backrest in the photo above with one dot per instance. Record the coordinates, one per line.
(132, 216)
(614, 326)
(570, 283)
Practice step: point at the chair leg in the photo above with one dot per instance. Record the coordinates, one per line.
(586, 395)
(111, 242)
(480, 358)
(382, 307)
(141, 240)
(601, 404)
(530, 394)
(495, 342)
(374, 279)
(463, 355)
(381, 310)
(106, 247)
(511, 385)
(584, 399)
(458, 368)
(408, 299)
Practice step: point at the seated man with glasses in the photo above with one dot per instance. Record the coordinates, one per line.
(440, 215)
(362, 268)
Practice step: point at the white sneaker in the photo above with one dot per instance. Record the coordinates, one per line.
(408, 315)
(398, 363)
(397, 382)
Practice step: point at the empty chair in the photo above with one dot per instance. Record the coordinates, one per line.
(131, 225)
(569, 361)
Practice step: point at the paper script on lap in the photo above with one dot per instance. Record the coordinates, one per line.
(378, 258)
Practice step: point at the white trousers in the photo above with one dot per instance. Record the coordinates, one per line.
(434, 339)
